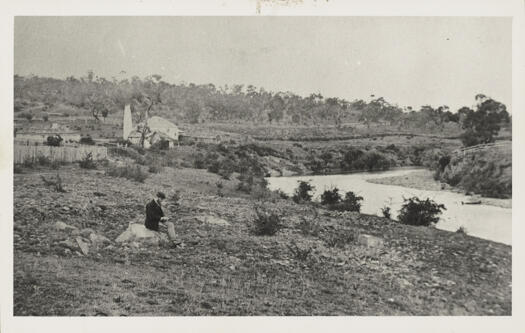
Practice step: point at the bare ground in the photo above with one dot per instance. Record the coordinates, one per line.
(226, 270)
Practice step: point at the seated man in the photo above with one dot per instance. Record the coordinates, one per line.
(154, 215)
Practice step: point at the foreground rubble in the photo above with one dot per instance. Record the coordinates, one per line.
(67, 260)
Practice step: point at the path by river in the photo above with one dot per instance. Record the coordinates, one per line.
(484, 221)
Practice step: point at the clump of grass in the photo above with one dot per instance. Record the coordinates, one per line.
(309, 225)
(154, 168)
(87, 162)
(267, 222)
(129, 172)
(462, 230)
(56, 184)
(299, 253)
(386, 212)
(340, 239)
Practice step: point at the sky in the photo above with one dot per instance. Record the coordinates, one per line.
(410, 61)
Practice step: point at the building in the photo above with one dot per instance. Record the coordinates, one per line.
(39, 135)
(160, 130)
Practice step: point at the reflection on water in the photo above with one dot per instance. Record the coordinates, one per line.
(489, 222)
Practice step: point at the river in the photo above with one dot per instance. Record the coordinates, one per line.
(483, 221)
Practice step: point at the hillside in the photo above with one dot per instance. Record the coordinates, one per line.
(223, 268)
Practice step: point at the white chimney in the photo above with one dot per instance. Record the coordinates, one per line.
(127, 124)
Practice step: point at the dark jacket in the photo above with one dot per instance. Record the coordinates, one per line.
(153, 214)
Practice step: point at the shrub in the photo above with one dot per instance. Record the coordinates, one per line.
(266, 222)
(282, 194)
(461, 230)
(310, 225)
(351, 203)
(87, 162)
(154, 168)
(420, 212)
(339, 239)
(299, 253)
(56, 184)
(87, 140)
(330, 197)
(303, 192)
(130, 172)
(386, 212)
(54, 140)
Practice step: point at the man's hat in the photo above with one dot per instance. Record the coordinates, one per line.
(161, 195)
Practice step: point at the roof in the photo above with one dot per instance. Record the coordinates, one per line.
(159, 122)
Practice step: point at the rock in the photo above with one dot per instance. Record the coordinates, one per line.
(212, 220)
(62, 226)
(65, 208)
(86, 232)
(370, 241)
(95, 238)
(68, 244)
(84, 247)
(137, 232)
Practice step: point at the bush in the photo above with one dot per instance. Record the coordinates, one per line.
(299, 253)
(351, 203)
(54, 140)
(339, 239)
(386, 212)
(87, 140)
(266, 222)
(330, 197)
(56, 184)
(310, 225)
(87, 162)
(420, 212)
(154, 168)
(303, 192)
(130, 172)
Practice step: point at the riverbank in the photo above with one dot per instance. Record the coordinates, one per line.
(423, 180)
(223, 268)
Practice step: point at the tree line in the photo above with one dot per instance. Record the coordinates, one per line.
(100, 97)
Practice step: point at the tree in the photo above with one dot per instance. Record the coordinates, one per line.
(482, 125)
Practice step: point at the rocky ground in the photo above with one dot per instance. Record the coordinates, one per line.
(67, 263)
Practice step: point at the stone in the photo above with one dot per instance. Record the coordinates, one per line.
(370, 241)
(95, 238)
(84, 247)
(68, 244)
(212, 220)
(137, 232)
(86, 232)
(63, 226)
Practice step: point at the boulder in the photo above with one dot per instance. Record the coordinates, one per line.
(212, 220)
(63, 226)
(138, 232)
(84, 246)
(370, 241)
(95, 238)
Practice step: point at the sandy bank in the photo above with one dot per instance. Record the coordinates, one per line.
(423, 180)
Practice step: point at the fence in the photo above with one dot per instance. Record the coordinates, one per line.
(62, 154)
(473, 149)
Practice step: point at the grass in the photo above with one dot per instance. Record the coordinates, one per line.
(305, 268)
(132, 172)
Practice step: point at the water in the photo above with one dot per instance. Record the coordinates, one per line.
(484, 221)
